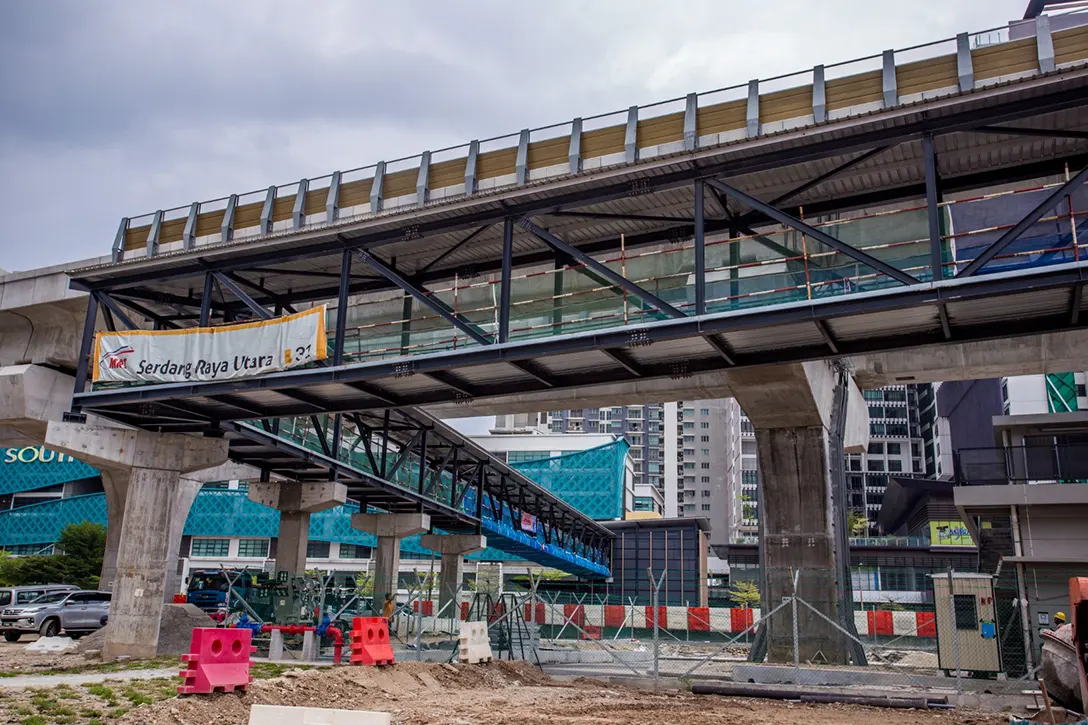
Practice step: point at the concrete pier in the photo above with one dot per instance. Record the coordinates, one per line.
(296, 502)
(790, 408)
(452, 548)
(390, 529)
(161, 481)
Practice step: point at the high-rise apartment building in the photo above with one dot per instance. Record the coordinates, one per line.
(642, 426)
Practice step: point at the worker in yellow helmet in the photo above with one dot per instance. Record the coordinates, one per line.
(1059, 619)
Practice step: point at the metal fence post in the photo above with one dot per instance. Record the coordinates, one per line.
(955, 629)
(657, 616)
(793, 608)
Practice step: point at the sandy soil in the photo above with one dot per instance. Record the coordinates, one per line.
(504, 692)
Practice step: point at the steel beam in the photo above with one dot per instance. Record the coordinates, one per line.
(521, 163)
(238, 292)
(423, 183)
(574, 151)
(751, 112)
(470, 167)
(188, 235)
(83, 362)
(506, 280)
(1042, 132)
(425, 297)
(332, 199)
(117, 312)
(342, 307)
(1075, 304)
(402, 455)
(119, 240)
(376, 184)
(691, 110)
(442, 257)
(154, 234)
(298, 209)
(450, 381)
(964, 66)
(268, 210)
(819, 95)
(816, 234)
(888, 83)
(1051, 201)
(700, 250)
(630, 136)
(1044, 44)
(588, 261)
(933, 212)
(226, 229)
(206, 301)
(628, 363)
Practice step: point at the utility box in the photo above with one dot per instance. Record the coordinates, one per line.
(966, 618)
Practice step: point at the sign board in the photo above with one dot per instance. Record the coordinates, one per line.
(528, 523)
(203, 354)
(949, 533)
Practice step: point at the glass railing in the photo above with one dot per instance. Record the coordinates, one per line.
(1060, 463)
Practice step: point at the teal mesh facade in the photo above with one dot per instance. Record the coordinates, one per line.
(590, 480)
(34, 467)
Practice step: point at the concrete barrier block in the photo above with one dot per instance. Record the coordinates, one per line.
(475, 646)
(284, 715)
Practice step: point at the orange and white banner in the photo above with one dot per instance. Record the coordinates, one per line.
(202, 354)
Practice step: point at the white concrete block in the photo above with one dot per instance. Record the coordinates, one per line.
(711, 139)
(904, 623)
(737, 134)
(51, 644)
(475, 647)
(647, 152)
(861, 622)
(594, 615)
(275, 646)
(309, 646)
(592, 164)
(611, 159)
(672, 147)
(284, 715)
(855, 110)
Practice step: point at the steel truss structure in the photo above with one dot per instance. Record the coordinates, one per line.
(681, 198)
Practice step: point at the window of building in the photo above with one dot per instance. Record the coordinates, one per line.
(855, 464)
(706, 494)
(895, 465)
(704, 411)
(317, 549)
(644, 503)
(689, 411)
(895, 396)
(689, 426)
(876, 412)
(748, 448)
(894, 449)
(354, 551)
(876, 429)
(749, 478)
(689, 451)
(209, 547)
(689, 466)
(253, 548)
(705, 465)
(704, 479)
(876, 464)
(704, 425)
(706, 451)
(965, 612)
(522, 456)
(689, 439)
(706, 507)
(876, 448)
(634, 413)
(704, 439)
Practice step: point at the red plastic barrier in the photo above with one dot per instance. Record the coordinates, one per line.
(575, 614)
(880, 622)
(464, 611)
(180, 599)
(615, 615)
(662, 618)
(370, 642)
(698, 619)
(218, 661)
(740, 619)
(927, 624)
(590, 631)
(428, 607)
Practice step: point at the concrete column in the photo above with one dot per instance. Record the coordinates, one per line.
(390, 529)
(453, 548)
(296, 501)
(790, 407)
(156, 502)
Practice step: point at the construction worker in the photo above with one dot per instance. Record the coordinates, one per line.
(1059, 619)
(388, 609)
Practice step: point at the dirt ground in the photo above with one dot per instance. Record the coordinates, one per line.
(505, 692)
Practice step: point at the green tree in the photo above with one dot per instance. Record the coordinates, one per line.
(84, 546)
(745, 594)
(857, 524)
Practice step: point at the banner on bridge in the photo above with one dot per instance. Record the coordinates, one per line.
(204, 354)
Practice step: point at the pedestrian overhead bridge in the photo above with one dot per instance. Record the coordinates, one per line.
(929, 195)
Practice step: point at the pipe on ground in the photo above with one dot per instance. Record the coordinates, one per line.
(784, 693)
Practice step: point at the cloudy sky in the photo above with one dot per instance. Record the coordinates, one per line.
(116, 107)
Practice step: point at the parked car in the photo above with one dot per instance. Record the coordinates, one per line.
(74, 612)
(18, 596)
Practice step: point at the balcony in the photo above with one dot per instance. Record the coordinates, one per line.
(1060, 463)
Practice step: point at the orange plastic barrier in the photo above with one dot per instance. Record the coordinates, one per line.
(370, 642)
